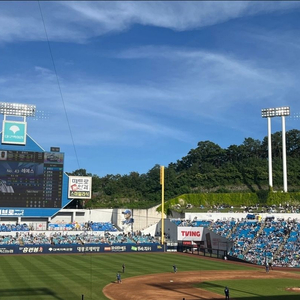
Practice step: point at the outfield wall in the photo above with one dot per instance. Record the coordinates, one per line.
(72, 249)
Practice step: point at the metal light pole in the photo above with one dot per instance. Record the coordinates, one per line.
(162, 182)
(270, 113)
(284, 155)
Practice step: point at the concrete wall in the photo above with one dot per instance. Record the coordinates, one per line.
(144, 218)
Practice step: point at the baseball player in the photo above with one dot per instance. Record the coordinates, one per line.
(119, 280)
(226, 292)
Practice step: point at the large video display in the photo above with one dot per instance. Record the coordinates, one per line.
(31, 179)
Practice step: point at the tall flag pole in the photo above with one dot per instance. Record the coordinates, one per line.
(162, 182)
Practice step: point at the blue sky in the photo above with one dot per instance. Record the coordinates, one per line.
(141, 83)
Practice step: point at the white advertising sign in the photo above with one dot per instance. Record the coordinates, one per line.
(80, 187)
(190, 233)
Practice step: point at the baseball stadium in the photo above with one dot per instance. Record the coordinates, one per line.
(52, 252)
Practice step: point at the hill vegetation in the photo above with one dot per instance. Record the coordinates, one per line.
(206, 169)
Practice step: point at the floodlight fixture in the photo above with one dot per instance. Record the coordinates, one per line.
(269, 113)
(17, 109)
(275, 112)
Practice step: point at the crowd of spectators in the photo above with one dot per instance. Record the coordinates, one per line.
(82, 238)
(243, 236)
(191, 223)
(265, 241)
(14, 227)
(61, 233)
(257, 240)
(62, 226)
(76, 226)
(223, 227)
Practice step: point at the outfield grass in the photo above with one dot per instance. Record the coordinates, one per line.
(255, 289)
(68, 277)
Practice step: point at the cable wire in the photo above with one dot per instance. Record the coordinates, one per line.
(59, 86)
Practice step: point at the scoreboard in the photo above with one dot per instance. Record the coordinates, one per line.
(31, 179)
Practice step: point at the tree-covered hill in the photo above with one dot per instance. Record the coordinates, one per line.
(207, 168)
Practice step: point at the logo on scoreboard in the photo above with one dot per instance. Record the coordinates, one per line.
(14, 132)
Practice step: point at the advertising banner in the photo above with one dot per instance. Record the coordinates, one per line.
(190, 233)
(80, 187)
(69, 248)
(8, 249)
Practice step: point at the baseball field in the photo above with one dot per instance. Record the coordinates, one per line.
(147, 276)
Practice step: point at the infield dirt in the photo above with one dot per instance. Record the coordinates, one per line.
(181, 285)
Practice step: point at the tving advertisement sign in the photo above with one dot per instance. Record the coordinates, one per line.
(190, 234)
(14, 132)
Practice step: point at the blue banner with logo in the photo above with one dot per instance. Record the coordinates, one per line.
(70, 248)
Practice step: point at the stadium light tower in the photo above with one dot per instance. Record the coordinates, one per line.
(17, 109)
(270, 113)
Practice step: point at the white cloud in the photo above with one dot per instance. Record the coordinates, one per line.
(199, 58)
(209, 87)
(95, 111)
(81, 20)
(208, 77)
(177, 15)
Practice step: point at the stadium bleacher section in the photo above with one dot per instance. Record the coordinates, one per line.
(93, 226)
(255, 240)
(67, 238)
(258, 241)
(13, 227)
